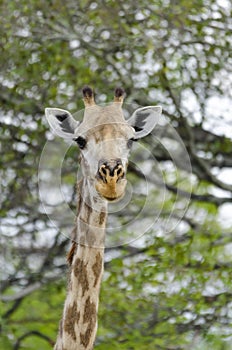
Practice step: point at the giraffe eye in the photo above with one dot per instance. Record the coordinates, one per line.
(129, 143)
(81, 142)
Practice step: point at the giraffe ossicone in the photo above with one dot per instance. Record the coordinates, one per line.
(104, 138)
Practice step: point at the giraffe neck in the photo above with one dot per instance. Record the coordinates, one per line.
(78, 326)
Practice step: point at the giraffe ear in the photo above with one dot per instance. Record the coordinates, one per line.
(61, 122)
(144, 119)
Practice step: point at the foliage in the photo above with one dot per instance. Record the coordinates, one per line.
(171, 288)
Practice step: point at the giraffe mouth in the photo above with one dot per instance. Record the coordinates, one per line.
(112, 190)
(110, 199)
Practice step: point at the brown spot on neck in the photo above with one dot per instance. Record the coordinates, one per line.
(90, 312)
(85, 337)
(97, 268)
(71, 317)
(81, 273)
(102, 218)
(71, 253)
(90, 317)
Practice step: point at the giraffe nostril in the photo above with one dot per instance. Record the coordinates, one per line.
(103, 170)
(102, 173)
(119, 171)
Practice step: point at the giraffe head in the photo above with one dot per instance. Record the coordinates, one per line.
(104, 138)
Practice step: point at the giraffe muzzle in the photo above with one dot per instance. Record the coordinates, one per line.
(111, 180)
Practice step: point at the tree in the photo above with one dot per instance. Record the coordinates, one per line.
(170, 288)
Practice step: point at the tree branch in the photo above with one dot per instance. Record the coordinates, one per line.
(17, 345)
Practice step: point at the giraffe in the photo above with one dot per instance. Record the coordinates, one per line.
(104, 139)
